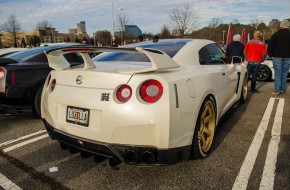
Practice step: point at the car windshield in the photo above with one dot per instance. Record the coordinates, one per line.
(171, 48)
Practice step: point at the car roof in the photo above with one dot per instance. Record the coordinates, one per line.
(37, 50)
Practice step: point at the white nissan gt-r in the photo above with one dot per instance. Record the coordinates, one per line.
(149, 103)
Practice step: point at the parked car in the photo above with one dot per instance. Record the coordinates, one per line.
(266, 71)
(22, 76)
(7, 51)
(144, 104)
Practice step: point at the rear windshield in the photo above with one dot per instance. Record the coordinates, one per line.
(26, 54)
(171, 48)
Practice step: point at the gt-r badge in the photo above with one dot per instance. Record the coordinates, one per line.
(105, 97)
(79, 79)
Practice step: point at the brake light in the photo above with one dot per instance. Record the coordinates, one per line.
(52, 85)
(77, 50)
(2, 73)
(13, 77)
(151, 91)
(124, 93)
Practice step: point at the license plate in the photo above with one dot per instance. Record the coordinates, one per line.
(78, 116)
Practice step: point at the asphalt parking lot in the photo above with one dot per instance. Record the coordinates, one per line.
(251, 151)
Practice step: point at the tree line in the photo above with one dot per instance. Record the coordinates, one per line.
(183, 20)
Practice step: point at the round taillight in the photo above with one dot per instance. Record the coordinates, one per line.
(151, 91)
(2, 73)
(124, 93)
(48, 79)
(52, 85)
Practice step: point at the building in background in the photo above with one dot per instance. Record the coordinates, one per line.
(81, 27)
(132, 31)
(47, 35)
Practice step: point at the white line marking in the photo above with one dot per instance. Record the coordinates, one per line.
(21, 138)
(24, 143)
(242, 179)
(268, 176)
(6, 184)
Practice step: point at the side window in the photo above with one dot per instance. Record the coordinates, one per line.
(40, 58)
(216, 54)
(204, 56)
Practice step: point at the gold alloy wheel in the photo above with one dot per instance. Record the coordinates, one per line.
(245, 88)
(207, 127)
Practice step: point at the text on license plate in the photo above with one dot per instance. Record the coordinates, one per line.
(78, 116)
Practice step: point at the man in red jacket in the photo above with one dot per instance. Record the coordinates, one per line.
(255, 52)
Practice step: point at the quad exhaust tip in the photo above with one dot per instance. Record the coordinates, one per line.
(133, 157)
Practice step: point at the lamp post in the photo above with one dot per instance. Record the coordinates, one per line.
(122, 25)
(113, 24)
(224, 37)
(264, 35)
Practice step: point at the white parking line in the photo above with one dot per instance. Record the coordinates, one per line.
(268, 176)
(242, 179)
(24, 143)
(6, 184)
(21, 138)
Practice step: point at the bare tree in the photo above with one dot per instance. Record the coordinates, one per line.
(45, 29)
(12, 27)
(165, 32)
(103, 37)
(215, 22)
(255, 23)
(44, 24)
(183, 19)
(122, 20)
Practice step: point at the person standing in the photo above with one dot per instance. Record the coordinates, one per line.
(279, 50)
(235, 48)
(255, 52)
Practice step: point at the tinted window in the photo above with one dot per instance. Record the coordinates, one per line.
(212, 54)
(38, 55)
(26, 54)
(170, 48)
(38, 58)
(74, 58)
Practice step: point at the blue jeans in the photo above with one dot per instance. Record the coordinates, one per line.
(253, 69)
(281, 68)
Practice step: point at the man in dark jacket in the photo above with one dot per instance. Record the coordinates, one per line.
(279, 49)
(236, 48)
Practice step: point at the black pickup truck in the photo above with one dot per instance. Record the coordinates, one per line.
(22, 76)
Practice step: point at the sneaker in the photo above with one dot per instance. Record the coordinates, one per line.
(283, 92)
(275, 93)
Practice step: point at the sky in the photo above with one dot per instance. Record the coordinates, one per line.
(148, 15)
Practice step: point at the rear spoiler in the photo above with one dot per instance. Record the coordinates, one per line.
(159, 59)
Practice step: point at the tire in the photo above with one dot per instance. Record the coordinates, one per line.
(204, 130)
(264, 73)
(244, 89)
(36, 101)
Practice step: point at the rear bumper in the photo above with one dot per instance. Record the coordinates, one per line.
(130, 154)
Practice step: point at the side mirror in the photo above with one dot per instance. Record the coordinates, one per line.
(236, 59)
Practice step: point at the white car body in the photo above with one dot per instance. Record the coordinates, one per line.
(269, 64)
(266, 71)
(137, 132)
